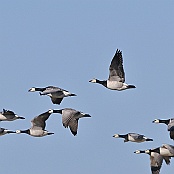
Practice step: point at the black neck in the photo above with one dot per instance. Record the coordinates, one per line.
(103, 82)
(164, 121)
(40, 89)
(57, 111)
(142, 151)
(157, 150)
(124, 136)
(25, 131)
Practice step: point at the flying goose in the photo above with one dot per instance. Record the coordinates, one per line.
(134, 137)
(116, 75)
(5, 131)
(164, 150)
(156, 160)
(7, 115)
(38, 125)
(70, 118)
(56, 94)
(169, 123)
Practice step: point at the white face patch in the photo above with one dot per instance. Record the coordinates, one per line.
(137, 151)
(50, 111)
(93, 81)
(156, 121)
(147, 151)
(32, 90)
(18, 131)
(116, 136)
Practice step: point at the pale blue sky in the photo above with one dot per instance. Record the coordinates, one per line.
(65, 44)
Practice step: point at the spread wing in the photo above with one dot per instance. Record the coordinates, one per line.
(137, 136)
(1, 130)
(169, 147)
(171, 125)
(69, 118)
(167, 159)
(8, 114)
(172, 135)
(67, 115)
(40, 121)
(156, 161)
(155, 170)
(56, 100)
(50, 89)
(73, 125)
(116, 68)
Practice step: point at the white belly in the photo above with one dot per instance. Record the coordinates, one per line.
(58, 94)
(114, 85)
(36, 133)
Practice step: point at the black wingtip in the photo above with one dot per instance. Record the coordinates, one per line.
(118, 51)
(56, 100)
(74, 133)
